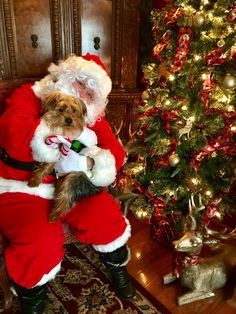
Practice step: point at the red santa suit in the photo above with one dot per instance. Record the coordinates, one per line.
(35, 248)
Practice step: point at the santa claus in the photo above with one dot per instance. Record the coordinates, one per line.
(36, 247)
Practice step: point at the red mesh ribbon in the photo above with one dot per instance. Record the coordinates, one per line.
(223, 142)
(182, 259)
(161, 45)
(167, 117)
(182, 49)
(213, 58)
(173, 15)
(232, 14)
(207, 88)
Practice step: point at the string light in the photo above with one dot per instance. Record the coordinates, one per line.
(195, 181)
(197, 57)
(210, 15)
(171, 77)
(205, 2)
(224, 99)
(138, 254)
(141, 213)
(208, 193)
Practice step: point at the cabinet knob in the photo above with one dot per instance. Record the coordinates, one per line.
(34, 38)
(96, 41)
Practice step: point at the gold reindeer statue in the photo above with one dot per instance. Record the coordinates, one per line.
(203, 275)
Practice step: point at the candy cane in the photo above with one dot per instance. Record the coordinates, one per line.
(55, 140)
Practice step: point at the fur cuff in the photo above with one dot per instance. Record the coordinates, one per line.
(104, 169)
(41, 151)
(117, 243)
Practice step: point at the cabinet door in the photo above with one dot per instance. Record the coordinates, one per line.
(96, 29)
(26, 46)
(34, 33)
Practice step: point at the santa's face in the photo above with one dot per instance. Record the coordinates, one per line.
(87, 89)
(85, 92)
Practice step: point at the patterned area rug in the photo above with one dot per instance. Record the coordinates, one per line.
(83, 286)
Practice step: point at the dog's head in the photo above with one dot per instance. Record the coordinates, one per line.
(64, 112)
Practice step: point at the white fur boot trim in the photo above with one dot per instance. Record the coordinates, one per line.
(50, 276)
(117, 243)
(44, 190)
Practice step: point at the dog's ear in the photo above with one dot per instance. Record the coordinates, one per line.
(51, 101)
(83, 106)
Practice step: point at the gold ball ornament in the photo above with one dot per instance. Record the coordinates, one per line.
(145, 95)
(198, 19)
(229, 81)
(173, 160)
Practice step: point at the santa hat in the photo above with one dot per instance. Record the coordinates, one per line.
(87, 66)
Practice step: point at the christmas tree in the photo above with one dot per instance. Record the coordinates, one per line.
(185, 144)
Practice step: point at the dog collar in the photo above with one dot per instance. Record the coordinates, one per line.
(77, 146)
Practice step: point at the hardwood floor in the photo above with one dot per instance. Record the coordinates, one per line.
(151, 261)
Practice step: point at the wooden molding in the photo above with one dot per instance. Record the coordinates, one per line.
(66, 28)
(7, 40)
(130, 44)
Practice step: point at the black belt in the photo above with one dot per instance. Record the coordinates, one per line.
(21, 165)
(27, 165)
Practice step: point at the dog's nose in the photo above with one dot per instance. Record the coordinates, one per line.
(68, 120)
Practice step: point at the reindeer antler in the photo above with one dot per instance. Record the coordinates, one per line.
(221, 235)
(117, 131)
(192, 207)
(131, 134)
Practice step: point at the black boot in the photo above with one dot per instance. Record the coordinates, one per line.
(115, 262)
(33, 301)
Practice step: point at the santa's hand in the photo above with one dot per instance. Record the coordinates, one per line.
(73, 162)
(88, 137)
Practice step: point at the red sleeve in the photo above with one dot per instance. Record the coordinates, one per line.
(19, 121)
(107, 140)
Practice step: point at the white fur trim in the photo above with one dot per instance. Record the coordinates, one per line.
(68, 71)
(41, 151)
(50, 276)
(44, 87)
(104, 169)
(43, 190)
(119, 242)
(75, 66)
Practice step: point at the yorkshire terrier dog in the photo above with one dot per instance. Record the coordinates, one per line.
(64, 114)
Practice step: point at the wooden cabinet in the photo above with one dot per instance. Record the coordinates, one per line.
(34, 33)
